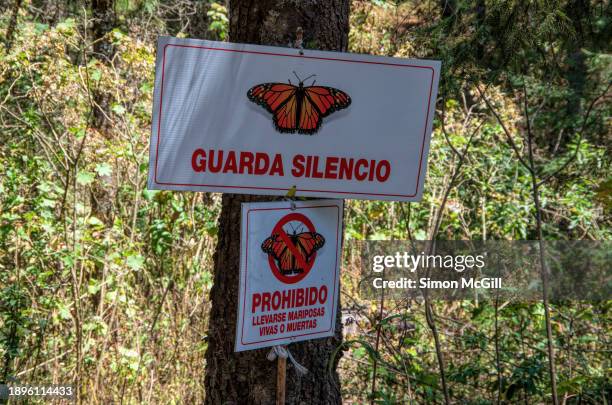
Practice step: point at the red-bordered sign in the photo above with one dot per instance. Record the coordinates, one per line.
(395, 163)
(271, 311)
(298, 251)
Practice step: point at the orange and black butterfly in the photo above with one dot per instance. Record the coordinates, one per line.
(305, 243)
(298, 108)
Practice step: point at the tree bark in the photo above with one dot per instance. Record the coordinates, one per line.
(103, 15)
(248, 377)
(10, 31)
(577, 69)
(103, 21)
(448, 8)
(102, 193)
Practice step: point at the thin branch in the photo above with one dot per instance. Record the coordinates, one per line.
(451, 185)
(543, 268)
(506, 132)
(378, 332)
(582, 129)
(429, 311)
(497, 355)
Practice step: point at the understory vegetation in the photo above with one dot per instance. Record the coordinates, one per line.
(105, 284)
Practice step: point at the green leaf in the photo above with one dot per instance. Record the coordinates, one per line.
(117, 34)
(96, 75)
(93, 287)
(78, 133)
(359, 352)
(66, 25)
(103, 169)
(149, 194)
(118, 109)
(85, 178)
(64, 313)
(135, 261)
(94, 221)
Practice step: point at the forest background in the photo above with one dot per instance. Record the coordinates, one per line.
(105, 283)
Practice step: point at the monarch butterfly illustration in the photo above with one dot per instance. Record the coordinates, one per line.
(306, 244)
(298, 108)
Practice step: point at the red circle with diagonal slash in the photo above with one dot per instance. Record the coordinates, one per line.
(278, 229)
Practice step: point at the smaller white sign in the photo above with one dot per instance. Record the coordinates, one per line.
(289, 272)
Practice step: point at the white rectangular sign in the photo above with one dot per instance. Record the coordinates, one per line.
(289, 272)
(259, 120)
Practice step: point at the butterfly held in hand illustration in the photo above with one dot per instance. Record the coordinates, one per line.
(294, 252)
(298, 108)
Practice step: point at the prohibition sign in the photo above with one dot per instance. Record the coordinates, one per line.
(304, 264)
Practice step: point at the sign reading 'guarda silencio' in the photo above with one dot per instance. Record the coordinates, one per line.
(289, 272)
(261, 120)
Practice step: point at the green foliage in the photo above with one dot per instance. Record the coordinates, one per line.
(219, 23)
(514, 51)
(70, 267)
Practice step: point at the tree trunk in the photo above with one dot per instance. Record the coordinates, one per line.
(248, 377)
(577, 69)
(448, 8)
(481, 17)
(102, 193)
(103, 16)
(10, 31)
(103, 21)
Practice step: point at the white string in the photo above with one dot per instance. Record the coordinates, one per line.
(299, 39)
(291, 203)
(284, 353)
